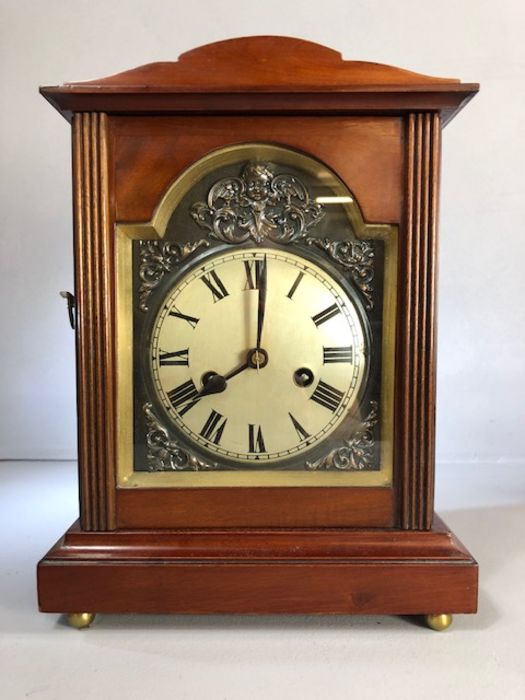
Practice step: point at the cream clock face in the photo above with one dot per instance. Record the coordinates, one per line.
(257, 355)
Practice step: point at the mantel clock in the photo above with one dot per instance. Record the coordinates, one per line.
(254, 309)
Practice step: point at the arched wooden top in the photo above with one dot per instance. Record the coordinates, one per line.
(280, 74)
(260, 63)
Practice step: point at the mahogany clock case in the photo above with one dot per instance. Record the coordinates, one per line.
(347, 549)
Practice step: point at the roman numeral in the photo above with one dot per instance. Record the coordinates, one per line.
(253, 273)
(216, 287)
(185, 395)
(342, 354)
(190, 319)
(327, 396)
(295, 285)
(213, 428)
(179, 357)
(301, 432)
(326, 315)
(255, 439)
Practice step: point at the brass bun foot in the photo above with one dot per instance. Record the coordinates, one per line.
(438, 622)
(80, 621)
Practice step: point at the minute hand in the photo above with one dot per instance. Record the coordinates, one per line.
(261, 308)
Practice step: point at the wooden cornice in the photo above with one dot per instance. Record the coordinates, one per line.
(262, 74)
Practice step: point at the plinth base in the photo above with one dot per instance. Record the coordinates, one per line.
(372, 571)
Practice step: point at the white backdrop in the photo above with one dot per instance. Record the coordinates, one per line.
(481, 380)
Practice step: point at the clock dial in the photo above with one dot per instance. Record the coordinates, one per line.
(257, 355)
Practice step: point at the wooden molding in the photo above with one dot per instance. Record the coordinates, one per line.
(94, 275)
(416, 388)
(280, 74)
(256, 507)
(259, 571)
(260, 63)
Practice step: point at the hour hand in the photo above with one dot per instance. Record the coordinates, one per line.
(214, 384)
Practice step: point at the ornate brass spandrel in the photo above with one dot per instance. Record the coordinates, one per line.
(258, 204)
(158, 258)
(357, 451)
(166, 454)
(356, 257)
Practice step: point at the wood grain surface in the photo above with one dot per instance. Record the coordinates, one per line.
(262, 74)
(416, 352)
(366, 152)
(275, 571)
(95, 316)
